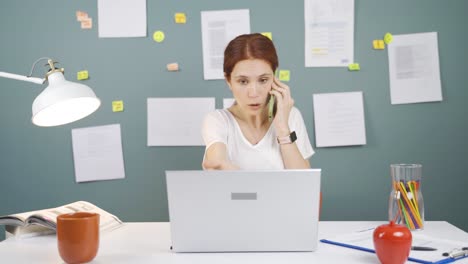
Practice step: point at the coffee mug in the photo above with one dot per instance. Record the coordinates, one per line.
(78, 236)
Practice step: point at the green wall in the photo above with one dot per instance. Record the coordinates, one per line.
(36, 164)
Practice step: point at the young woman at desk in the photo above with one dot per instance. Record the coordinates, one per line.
(255, 132)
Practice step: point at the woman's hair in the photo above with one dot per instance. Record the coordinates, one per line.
(249, 46)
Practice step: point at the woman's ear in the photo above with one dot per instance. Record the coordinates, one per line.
(228, 81)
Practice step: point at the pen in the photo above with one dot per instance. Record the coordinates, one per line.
(418, 248)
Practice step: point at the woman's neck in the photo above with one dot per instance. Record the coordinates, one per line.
(255, 121)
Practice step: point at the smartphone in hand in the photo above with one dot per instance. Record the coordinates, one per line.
(271, 107)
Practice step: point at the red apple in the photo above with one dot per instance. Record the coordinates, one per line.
(392, 243)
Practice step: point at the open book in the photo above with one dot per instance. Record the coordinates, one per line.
(44, 222)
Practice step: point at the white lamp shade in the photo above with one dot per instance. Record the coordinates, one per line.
(63, 102)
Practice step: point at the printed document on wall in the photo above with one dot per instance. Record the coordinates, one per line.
(339, 119)
(122, 18)
(329, 33)
(218, 28)
(177, 121)
(97, 153)
(414, 68)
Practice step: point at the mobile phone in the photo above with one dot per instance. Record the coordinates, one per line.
(271, 108)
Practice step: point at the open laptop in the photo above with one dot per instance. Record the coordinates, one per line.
(239, 211)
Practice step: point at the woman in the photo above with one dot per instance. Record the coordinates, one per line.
(243, 136)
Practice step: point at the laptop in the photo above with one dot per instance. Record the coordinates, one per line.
(242, 211)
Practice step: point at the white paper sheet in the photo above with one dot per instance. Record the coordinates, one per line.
(122, 18)
(339, 119)
(364, 238)
(218, 28)
(97, 153)
(414, 68)
(177, 121)
(228, 102)
(329, 33)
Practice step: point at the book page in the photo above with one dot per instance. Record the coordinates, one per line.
(48, 217)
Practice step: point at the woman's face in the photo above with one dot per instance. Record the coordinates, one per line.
(250, 84)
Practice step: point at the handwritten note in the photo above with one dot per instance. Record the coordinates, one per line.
(180, 18)
(388, 38)
(158, 36)
(82, 75)
(378, 44)
(354, 67)
(117, 106)
(284, 75)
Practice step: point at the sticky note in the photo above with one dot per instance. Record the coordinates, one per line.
(80, 16)
(82, 75)
(284, 75)
(172, 66)
(268, 35)
(388, 38)
(87, 23)
(117, 106)
(378, 44)
(158, 36)
(180, 18)
(354, 67)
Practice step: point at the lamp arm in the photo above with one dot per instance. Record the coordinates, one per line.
(22, 77)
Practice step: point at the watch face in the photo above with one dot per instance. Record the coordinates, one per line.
(293, 136)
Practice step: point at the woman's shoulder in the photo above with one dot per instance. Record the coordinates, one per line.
(219, 114)
(295, 112)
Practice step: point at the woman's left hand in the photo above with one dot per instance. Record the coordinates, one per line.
(284, 104)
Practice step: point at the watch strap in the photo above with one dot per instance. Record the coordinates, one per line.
(287, 139)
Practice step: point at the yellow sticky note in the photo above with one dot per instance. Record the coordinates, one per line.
(268, 35)
(284, 75)
(82, 75)
(378, 44)
(158, 36)
(180, 18)
(354, 67)
(320, 51)
(117, 106)
(388, 38)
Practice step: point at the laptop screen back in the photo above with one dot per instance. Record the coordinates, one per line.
(226, 211)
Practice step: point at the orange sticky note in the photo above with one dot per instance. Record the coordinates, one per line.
(268, 35)
(284, 75)
(117, 106)
(87, 23)
(172, 66)
(180, 18)
(378, 44)
(82, 75)
(80, 16)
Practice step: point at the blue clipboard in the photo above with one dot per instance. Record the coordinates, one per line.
(442, 261)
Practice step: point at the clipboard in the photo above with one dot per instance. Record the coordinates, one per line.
(447, 251)
(412, 259)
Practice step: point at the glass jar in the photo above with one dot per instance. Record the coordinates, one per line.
(406, 204)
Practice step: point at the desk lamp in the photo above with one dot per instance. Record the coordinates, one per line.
(61, 102)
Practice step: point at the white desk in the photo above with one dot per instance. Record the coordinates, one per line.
(150, 242)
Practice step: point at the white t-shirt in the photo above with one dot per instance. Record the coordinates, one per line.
(221, 126)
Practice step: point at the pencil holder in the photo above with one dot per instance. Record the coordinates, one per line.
(406, 204)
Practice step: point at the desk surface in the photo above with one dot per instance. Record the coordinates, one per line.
(150, 242)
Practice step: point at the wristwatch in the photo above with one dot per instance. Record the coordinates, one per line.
(287, 139)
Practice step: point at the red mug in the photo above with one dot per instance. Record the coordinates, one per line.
(78, 236)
